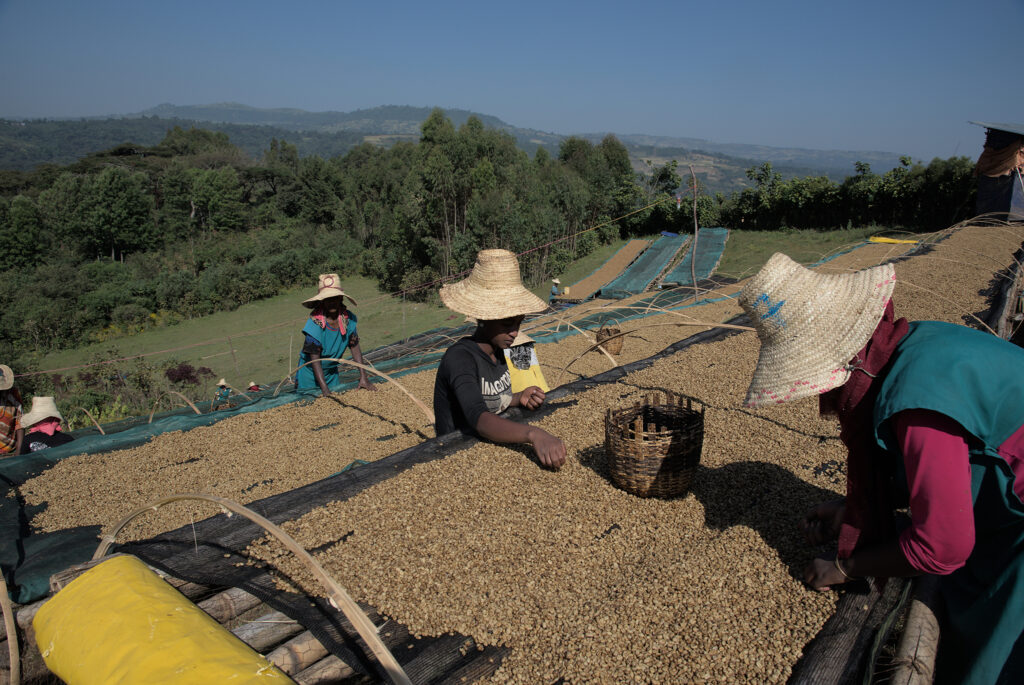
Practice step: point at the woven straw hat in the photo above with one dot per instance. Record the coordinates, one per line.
(221, 382)
(810, 325)
(42, 408)
(556, 281)
(493, 290)
(327, 287)
(6, 377)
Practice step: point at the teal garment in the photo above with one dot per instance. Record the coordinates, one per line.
(976, 379)
(223, 394)
(333, 344)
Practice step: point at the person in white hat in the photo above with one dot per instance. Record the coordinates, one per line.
(223, 393)
(554, 289)
(253, 387)
(329, 331)
(12, 433)
(473, 385)
(931, 413)
(43, 426)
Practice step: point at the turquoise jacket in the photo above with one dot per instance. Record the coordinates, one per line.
(976, 379)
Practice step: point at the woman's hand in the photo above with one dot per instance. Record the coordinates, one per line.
(822, 523)
(531, 397)
(365, 384)
(550, 450)
(822, 574)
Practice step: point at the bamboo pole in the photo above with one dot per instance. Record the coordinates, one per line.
(429, 414)
(339, 598)
(171, 392)
(653, 325)
(12, 632)
(693, 250)
(95, 422)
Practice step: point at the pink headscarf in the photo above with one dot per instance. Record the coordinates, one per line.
(48, 426)
(321, 319)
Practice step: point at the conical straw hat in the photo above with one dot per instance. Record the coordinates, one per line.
(493, 290)
(42, 408)
(810, 325)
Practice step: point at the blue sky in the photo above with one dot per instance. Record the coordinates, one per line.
(897, 76)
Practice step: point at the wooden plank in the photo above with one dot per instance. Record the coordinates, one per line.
(838, 653)
(328, 670)
(267, 631)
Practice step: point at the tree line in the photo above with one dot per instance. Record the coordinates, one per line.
(138, 236)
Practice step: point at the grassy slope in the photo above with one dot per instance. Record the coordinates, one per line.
(268, 356)
(747, 251)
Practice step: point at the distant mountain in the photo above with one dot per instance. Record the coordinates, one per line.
(404, 120)
(390, 120)
(720, 166)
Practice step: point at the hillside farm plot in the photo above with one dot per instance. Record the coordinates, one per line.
(578, 579)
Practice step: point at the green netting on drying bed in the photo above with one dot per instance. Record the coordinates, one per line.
(646, 268)
(710, 246)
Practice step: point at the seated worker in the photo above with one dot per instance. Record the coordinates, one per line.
(11, 431)
(932, 415)
(330, 330)
(42, 426)
(554, 289)
(253, 387)
(473, 384)
(223, 393)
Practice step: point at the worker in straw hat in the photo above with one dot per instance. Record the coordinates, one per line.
(554, 289)
(329, 331)
(11, 432)
(43, 426)
(223, 393)
(473, 385)
(931, 410)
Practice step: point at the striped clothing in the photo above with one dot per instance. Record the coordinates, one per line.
(10, 419)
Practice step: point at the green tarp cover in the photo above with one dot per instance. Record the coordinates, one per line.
(645, 269)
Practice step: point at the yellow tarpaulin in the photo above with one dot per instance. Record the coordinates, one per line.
(881, 239)
(121, 623)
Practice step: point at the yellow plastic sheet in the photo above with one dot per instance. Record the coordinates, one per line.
(523, 367)
(121, 623)
(896, 241)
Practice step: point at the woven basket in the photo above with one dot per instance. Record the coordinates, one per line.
(654, 448)
(613, 346)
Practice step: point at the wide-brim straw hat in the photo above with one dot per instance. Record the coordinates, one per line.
(221, 382)
(6, 377)
(810, 325)
(327, 287)
(556, 281)
(42, 408)
(493, 290)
